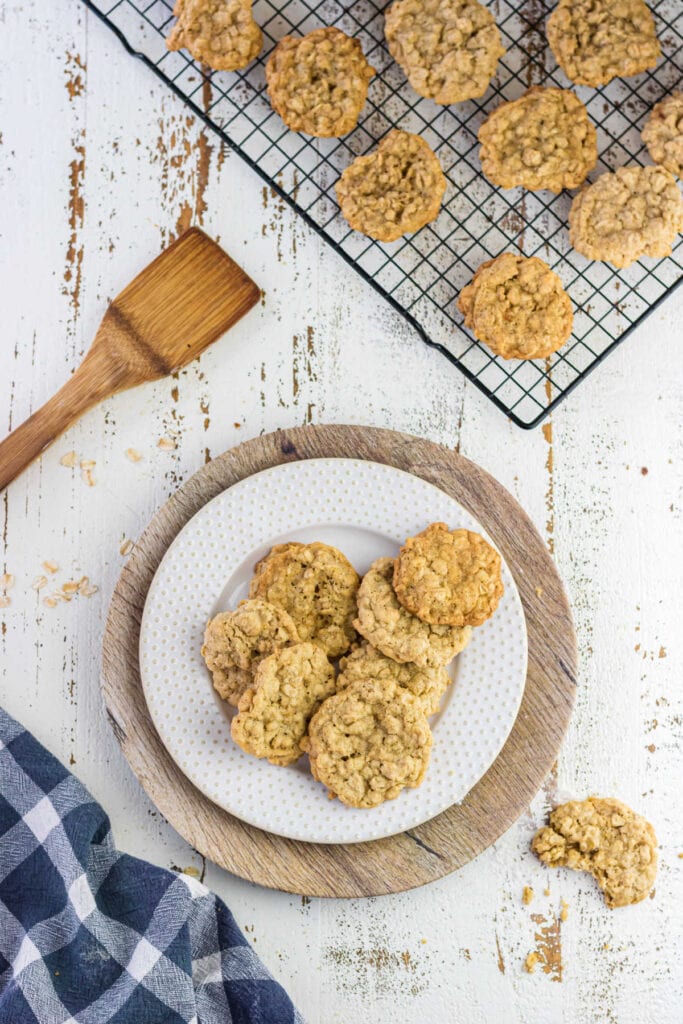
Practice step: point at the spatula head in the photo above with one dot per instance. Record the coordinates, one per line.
(188, 297)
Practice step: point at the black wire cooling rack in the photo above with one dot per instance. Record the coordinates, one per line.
(421, 275)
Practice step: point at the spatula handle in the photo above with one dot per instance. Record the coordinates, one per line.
(27, 442)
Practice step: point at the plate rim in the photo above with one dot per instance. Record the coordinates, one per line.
(282, 468)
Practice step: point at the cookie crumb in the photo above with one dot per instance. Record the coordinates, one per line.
(167, 444)
(564, 910)
(531, 961)
(527, 895)
(133, 455)
(539, 591)
(87, 466)
(69, 460)
(546, 892)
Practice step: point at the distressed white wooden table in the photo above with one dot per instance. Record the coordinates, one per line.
(99, 168)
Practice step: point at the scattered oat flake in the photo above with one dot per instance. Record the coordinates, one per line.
(60, 595)
(531, 961)
(39, 582)
(87, 588)
(5, 601)
(51, 567)
(564, 910)
(191, 871)
(166, 444)
(69, 460)
(70, 587)
(126, 547)
(546, 892)
(7, 581)
(50, 602)
(527, 895)
(133, 454)
(539, 591)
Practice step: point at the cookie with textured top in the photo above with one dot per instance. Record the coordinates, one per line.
(448, 49)
(369, 742)
(543, 140)
(606, 838)
(318, 83)
(448, 577)
(219, 33)
(627, 214)
(234, 643)
(518, 307)
(595, 41)
(663, 133)
(317, 585)
(393, 191)
(274, 712)
(427, 683)
(389, 627)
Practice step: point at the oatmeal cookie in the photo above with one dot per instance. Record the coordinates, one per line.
(543, 140)
(518, 307)
(274, 712)
(448, 577)
(606, 838)
(219, 33)
(663, 133)
(448, 49)
(369, 742)
(393, 191)
(394, 631)
(595, 41)
(627, 214)
(316, 585)
(318, 84)
(235, 641)
(427, 684)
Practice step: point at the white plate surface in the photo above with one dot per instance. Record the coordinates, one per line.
(367, 510)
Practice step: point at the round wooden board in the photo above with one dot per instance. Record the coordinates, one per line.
(457, 835)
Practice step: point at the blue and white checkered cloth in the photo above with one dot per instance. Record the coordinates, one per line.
(89, 935)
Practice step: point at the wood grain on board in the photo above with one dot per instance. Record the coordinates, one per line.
(437, 847)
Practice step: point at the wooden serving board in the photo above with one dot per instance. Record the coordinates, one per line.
(457, 835)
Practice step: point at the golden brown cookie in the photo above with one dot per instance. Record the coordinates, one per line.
(274, 712)
(427, 684)
(318, 83)
(394, 631)
(605, 837)
(627, 214)
(219, 33)
(663, 133)
(395, 190)
(448, 577)
(234, 642)
(595, 41)
(369, 742)
(543, 140)
(518, 307)
(316, 584)
(448, 49)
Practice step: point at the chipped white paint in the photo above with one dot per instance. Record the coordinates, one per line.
(99, 167)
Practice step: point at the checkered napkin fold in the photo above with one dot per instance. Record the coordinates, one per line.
(89, 935)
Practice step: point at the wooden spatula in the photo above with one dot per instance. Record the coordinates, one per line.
(190, 295)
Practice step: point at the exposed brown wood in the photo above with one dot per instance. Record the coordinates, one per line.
(183, 301)
(463, 831)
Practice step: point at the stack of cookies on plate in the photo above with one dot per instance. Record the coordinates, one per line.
(348, 670)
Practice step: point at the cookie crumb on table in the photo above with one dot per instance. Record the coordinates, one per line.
(527, 895)
(531, 961)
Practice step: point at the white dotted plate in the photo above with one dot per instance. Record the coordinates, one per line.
(367, 510)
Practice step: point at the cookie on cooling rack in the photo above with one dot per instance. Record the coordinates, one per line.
(606, 838)
(663, 133)
(543, 140)
(448, 577)
(518, 307)
(627, 214)
(219, 33)
(393, 191)
(428, 684)
(448, 49)
(274, 712)
(316, 585)
(318, 83)
(595, 41)
(394, 631)
(369, 742)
